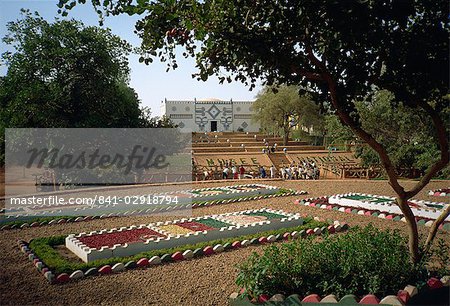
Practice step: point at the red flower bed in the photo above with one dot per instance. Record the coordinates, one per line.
(195, 226)
(127, 236)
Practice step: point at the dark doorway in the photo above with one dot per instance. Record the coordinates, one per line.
(213, 126)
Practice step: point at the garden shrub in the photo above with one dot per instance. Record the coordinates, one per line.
(438, 258)
(363, 261)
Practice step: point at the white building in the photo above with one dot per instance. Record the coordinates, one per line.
(211, 115)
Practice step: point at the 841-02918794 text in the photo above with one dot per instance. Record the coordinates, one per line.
(139, 200)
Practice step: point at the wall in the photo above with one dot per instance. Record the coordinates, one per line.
(196, 116)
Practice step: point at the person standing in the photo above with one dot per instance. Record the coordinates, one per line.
(272, 171)
(241, 172)
(283, 172)
(262, 172)
(225, 173)
(288, 173)
(234, 172)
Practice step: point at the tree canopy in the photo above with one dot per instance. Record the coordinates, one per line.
(341, 50)
(284, 109)
(406, 134)
(64, 74)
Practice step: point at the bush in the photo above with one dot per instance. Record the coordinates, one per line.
(438, 258)
(363, 261)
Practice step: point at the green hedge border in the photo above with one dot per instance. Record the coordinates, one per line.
(44, 249)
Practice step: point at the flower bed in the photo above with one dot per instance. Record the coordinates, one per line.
(424, 209)
(57, 269)
(440, 192)
(111, 239)
(382, 207)
(46, 215)
(129, 241)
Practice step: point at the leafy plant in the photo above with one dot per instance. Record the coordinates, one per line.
(438, 258)
(363, 261)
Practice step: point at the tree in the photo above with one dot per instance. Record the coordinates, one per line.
(147, 121)
(341, 50)
(64, 74)
(406, 134)
(336, 132)
(284, 109)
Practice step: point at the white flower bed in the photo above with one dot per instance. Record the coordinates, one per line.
(186, 198)
(235, 228)
(425, 209)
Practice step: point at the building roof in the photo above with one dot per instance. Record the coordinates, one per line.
(208, 100)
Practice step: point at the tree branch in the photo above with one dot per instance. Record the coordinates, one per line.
(435, 227)
(347, 120)
(307, 74)
(443, 145)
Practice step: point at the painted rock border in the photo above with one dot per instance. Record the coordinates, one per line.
(197, 204)
(322, 202)
(402, 297)
(442, 192)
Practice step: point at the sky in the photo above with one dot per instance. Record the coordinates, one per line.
(152, 83)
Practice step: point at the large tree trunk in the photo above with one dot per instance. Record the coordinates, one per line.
(413, 234)
(402, 195)
(286, 137)
(286, 129)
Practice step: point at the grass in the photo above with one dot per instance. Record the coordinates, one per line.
(44, 248)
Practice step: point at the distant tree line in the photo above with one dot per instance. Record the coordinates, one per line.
(407, 134)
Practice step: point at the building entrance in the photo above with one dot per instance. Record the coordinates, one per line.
(213, 126)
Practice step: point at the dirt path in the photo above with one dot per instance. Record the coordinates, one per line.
(203, 281)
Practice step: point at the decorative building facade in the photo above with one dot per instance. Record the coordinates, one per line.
(211, 115)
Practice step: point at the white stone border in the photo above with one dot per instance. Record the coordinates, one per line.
(267, 188)
(388, 206)
(88, 254)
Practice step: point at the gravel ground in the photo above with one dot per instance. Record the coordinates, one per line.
(203, 281)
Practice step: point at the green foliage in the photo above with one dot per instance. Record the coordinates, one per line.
(405, 133)
(280, 109)
(67, 75)
(361, 43)
(439, 258)
(363, 261)
(338, 133)
(64, 74)
(44, 249)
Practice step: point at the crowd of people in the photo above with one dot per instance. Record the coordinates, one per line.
(302, 171)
